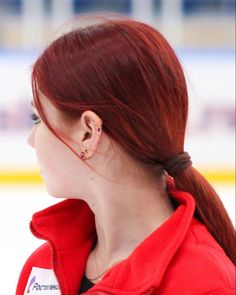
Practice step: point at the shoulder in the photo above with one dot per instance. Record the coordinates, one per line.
(41, 257)
(203, 245)
(200, 265)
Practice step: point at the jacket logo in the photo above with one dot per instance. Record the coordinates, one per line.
(30, 284)
(42, 281)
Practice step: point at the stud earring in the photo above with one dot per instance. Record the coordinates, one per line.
(98, 124)
(82, 155)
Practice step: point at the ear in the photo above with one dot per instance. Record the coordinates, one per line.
(88, 133)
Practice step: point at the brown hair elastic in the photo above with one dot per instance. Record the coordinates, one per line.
(177, 164)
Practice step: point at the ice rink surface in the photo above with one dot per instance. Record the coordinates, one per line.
(17, 243)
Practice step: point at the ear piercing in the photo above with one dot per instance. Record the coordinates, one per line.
(82, 155)
(98, 123)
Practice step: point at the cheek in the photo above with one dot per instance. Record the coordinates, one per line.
(57, 163)
(44, 148)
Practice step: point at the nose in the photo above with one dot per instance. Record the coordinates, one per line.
(30, 139)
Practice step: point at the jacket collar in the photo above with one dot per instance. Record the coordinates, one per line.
(70, 228)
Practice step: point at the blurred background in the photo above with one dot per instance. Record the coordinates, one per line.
(202, 32)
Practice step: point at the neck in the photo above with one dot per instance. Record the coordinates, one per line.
(124, 221)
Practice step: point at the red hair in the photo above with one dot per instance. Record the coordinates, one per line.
(127, 73)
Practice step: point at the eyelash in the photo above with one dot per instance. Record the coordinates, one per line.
(35, 118)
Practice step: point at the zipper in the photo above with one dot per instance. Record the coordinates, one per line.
(53, 249)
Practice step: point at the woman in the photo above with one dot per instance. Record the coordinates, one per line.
(138, 218)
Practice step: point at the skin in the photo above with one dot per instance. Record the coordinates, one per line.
(126, 210)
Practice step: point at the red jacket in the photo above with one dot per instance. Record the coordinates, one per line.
(179, 258)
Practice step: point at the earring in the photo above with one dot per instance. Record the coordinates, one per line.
(98, 124)
(82, 155)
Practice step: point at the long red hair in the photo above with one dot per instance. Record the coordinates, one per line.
(127, 73)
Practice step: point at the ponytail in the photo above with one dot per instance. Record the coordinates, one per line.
(209, 209)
